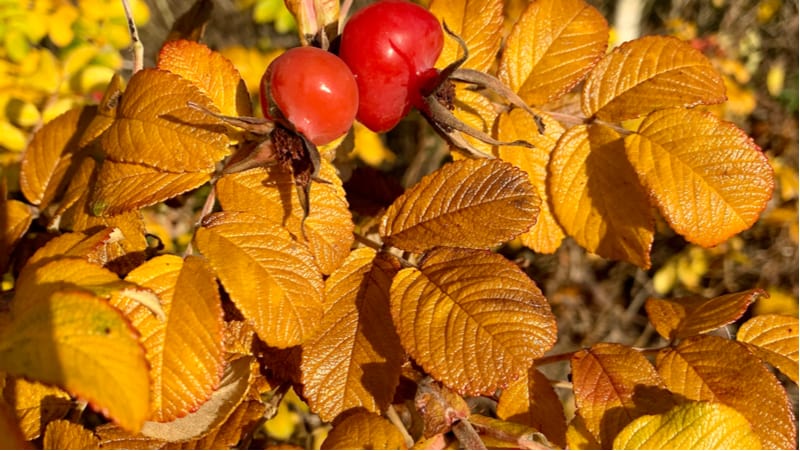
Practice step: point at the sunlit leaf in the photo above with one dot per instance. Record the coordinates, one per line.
(613, 385)
(469, 203)
(531, 400)
(35, 404)
(93, 248)
(649, 74)
(15, 218)
(106, 112)
(499, 434)
(477, 111)
(708, 178)
(710, 368)
(551, 48)
(471, 319)
(774, 338)
(683, 317)
(696, 425)
(355, 359)
(270, 277)
(208, 70)
(62, 434)
(364, 430)
(478, 22)
(313, 15)
(579, 437)
(597, 197)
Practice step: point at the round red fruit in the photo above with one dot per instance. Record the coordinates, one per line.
(391, 47)
(313, 90)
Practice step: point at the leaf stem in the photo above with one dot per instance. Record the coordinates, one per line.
(392, 415)
(467, 435)
(136, 44)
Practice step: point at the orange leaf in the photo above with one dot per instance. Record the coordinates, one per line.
(531, 400)
(271, 278)
(185, 347)
(471, 319)
(597, 197)
(709, 368)
(35, 404)
(679, 318)
(551, 48)
(469, 203)
(479, 23)
(15, 218)
(649, 74)
(214, 74)
(106, 112)
(708, 178)
(62, 434)
(774, 338)
(546, 235)
(355, 360)
(364, 430)
(93, 248)
(613, 385)
(11, 436)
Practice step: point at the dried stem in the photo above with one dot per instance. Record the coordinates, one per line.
(392, 415)
(136, 43)
(467, 435)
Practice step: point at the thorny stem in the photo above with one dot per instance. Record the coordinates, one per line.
(136, 44)
(392, 415)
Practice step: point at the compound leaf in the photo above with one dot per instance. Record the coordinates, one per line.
(597, 197)
(471, 319)
(710, 368)
(708, 178)
(774, 339)
(364, 430)
(479, 23)
(472, 203)
(271, 278)
(532, 401)
(649, 74)
(551, 48)
(355, 359)
(62, 434)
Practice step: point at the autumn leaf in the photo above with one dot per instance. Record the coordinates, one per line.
(551, 48)
(106, 112)
(579, 437)
(62, 434)
(15, 218)
(477, 111)
(313, 16)
(270, 277)
(532, 401)
(364, 430)
(709, 368)
(471, 319)
(355, 359)
(613, 385)
(34, 404)
(191, 25)
(479, 23)
(695, 425)
(468, 203)
(11, 436)
(774, 339)
(649, 74)
(597, 197)
(708, 178)
(93, 248)
(675, 319)
(499, 434)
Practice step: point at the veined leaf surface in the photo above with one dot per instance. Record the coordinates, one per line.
(364, 430)
(62, 434)
(15, 218)
(533, 401)
(478, 22)
(774, 338)
(35, 404)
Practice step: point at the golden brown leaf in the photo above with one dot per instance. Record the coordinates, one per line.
(479, 23)
(774, 339)
(62, 434)
(93, 248)
(531, 400)
(478, 112)
(214, 74)
(354, 360)
(708, 178)
(709, 368)
(11, 436)
(241, 422)
(679, 318)
(112, 436)
(471, 319)
(551, 48)
(15, 218)
(649, 74)
(546, 235)
(106, 112)
(469, 203)
(364, 430)
(499, 434)
(270, 277)
(35, 404)
(613, 385)
(578, 437)
(597, 197)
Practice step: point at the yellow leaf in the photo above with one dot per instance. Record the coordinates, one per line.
(35, 404)
(708, 178)
(578, 437)
(364, 430)
(597, 197)
(11, 137)
(649, 74)
(75, 340)
(679, 318)
(613, 385)
(478, 112)
(62, 434)
(106, 112)
(270, 277)
(710, 368)
(214, 74)
(774, 338)
(355, 359)
(15, 218)
(93, 248)
(551, 48)
(469, 203)
(11, 436)
(531, 400)
(696, 425)
(370, 148)
(313, 16)
(499, 434)
(546, 235)
(479, 23)
(251, 64)
(471, 319)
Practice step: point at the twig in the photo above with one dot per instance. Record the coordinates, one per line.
(467, 435)
(136, 44)
(392, 415)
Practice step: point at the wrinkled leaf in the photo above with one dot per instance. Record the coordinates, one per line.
(364, 430)
(35, 404)
(469, 203)
(355, 359)
(597, 197)
(271, 278)
(62, 434)
(649, 74)
(471, 319)
(696, 425)
(532, 401)
(774, 338)
(478, 22)
(708, 178)
(93, 248)
(551, 48)
(709, 368)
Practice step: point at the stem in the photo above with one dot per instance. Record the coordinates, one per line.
(467, 435)
(546, 360)
(392, 415)
(381, 248)
(136, 44)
